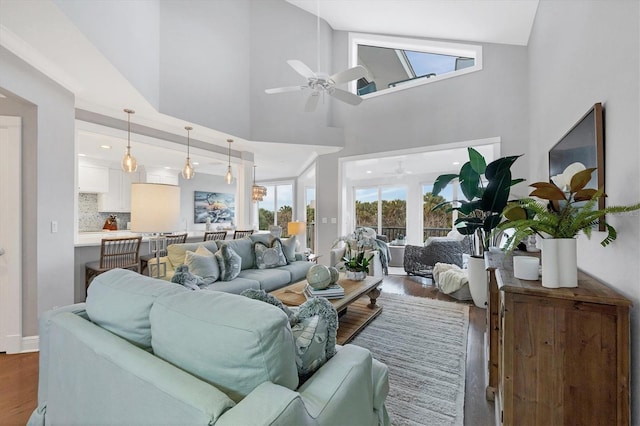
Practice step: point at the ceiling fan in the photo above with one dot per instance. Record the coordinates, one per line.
(399, 171)
(320, 83)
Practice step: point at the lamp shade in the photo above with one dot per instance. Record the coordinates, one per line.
(155, 207)
(295, 228)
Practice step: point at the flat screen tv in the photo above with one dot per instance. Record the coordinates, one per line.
(583, 143)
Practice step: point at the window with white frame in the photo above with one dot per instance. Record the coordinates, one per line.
(276, 208)
(397, 63)
(383, 208)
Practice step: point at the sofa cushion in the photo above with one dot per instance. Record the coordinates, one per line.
(269, 255)
(297, 269)
(176, 252)
(244, 248)
(236, 286)
(119, 300)
(229, 262)
(203, 264)
(197, 331)
(269, 279)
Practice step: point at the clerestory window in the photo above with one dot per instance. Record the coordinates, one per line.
(396, 63)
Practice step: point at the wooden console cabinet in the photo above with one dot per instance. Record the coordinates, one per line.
(562, 354)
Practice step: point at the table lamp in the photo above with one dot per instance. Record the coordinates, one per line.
(155, 209)
(296, 228)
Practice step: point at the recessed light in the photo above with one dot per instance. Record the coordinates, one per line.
(369, 172)
(105, 146)
(455, 163)
(167, 167)
(195, 163)
(82, 155)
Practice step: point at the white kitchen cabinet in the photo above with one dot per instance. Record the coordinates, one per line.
(162, 176)
(118, 199)
(93, 178)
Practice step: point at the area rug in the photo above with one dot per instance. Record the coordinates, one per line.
(423, 342)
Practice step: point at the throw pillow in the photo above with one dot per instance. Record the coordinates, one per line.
(269, 256)
(314, 332)
(203, 264)
(229, 262)
(183, 277)
(289, 248)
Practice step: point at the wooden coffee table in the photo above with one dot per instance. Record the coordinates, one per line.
(361, 310)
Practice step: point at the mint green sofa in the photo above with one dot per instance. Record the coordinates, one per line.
(250, 276)
(144, 351)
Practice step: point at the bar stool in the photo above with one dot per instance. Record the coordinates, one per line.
(242, 234)
(171, 239)
(215, 235)
(114, 253)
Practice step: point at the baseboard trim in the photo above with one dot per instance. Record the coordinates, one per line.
(17, 344)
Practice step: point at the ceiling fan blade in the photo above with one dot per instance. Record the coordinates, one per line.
(351, 74)
(344, 96)
(301, 68)
(284, 89)
(312, 102)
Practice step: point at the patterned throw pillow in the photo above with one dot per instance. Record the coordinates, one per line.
(229, 262)
(289, 248)
(203, 264)
(269, 256)
(314, 332)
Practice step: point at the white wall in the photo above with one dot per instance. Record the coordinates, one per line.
(200, 182)
(126, 33)
(205, 65)
(48, 189)
(581, 53)
(485, 104)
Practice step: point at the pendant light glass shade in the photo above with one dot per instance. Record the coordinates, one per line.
(129, 163)
(187, 170)
(257, 192)
(228, 178)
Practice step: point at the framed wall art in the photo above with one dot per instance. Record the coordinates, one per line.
(218, 206)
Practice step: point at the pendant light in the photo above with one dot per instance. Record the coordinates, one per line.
(257, 192)
(229, 177)
(129, 163)
(187, 170)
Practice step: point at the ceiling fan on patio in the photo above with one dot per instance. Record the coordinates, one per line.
(319, 83)
(399, 171)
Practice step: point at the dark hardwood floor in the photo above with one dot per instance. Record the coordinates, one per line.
(19, 373)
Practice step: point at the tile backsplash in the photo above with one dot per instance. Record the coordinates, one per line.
(90, 219)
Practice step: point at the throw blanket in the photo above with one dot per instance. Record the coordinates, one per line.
(449, 278)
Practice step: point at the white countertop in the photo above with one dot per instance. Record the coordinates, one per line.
(86, 239)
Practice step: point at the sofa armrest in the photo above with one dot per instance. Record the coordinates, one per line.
(99, 377)
(336, 254)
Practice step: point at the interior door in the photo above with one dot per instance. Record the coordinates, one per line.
(10, 235)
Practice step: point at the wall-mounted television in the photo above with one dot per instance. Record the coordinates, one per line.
(583, 143)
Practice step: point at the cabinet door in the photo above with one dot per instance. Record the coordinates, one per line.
(110, 201)
(93, 178)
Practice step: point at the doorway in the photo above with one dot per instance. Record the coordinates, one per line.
(10, 235)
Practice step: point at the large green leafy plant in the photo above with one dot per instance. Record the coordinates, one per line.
(486, 189)
(565, 213)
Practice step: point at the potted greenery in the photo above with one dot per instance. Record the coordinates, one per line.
(486, 188)
(355, 263)
(486, 198)
(568, 212)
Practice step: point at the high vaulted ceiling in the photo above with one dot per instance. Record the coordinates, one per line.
(42, 35)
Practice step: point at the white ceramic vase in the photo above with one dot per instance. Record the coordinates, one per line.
(559, 262)
(478, 281)
(355, 275)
